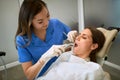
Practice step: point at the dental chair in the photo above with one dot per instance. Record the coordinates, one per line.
(110, 35)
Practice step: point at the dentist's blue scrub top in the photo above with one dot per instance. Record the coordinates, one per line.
(37, 47)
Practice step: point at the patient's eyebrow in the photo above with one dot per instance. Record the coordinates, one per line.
(86, 35)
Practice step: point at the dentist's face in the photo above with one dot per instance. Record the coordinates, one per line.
(41, 20)
(83, 43)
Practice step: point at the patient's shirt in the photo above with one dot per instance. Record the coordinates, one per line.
(70, 67)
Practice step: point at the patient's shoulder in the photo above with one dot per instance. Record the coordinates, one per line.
(94, 66)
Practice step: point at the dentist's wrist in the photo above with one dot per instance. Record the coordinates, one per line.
(41, 61)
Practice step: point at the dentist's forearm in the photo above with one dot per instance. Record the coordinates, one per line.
(32, 71)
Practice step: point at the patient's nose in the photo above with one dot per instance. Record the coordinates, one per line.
(78, 38)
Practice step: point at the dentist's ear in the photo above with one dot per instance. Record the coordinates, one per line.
(94, 46)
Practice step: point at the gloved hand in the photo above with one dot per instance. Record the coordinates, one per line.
(72, 35)
(55, 50)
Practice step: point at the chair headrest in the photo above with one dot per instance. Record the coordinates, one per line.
(109, 35)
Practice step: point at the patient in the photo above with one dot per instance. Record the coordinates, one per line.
(80, 62)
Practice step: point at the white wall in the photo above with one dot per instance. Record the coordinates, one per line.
(64, 10)
(116, 13)
(20, 2)
(114, 55)
(97, 12)
(8, 25)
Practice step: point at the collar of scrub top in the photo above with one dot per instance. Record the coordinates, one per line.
(37, 41)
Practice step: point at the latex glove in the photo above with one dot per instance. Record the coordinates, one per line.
(72, 35)
(55, 50)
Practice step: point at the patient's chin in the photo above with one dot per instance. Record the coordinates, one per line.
(74, 51)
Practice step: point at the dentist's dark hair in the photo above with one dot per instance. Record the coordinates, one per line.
(28, 10)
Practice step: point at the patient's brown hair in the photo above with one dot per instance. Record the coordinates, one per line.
(97, 37)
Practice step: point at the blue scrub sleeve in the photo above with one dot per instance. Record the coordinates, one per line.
(23, 54)
(66, 28)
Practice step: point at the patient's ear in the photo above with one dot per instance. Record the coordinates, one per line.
(94, 46)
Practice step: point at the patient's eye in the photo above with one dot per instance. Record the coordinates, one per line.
(84, 37)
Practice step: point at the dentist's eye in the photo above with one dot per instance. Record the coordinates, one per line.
(48, 16)
(40, 22)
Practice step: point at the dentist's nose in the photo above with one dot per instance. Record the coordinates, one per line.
(45, 23)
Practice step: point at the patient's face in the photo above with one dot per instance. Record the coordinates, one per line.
(83, 43)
